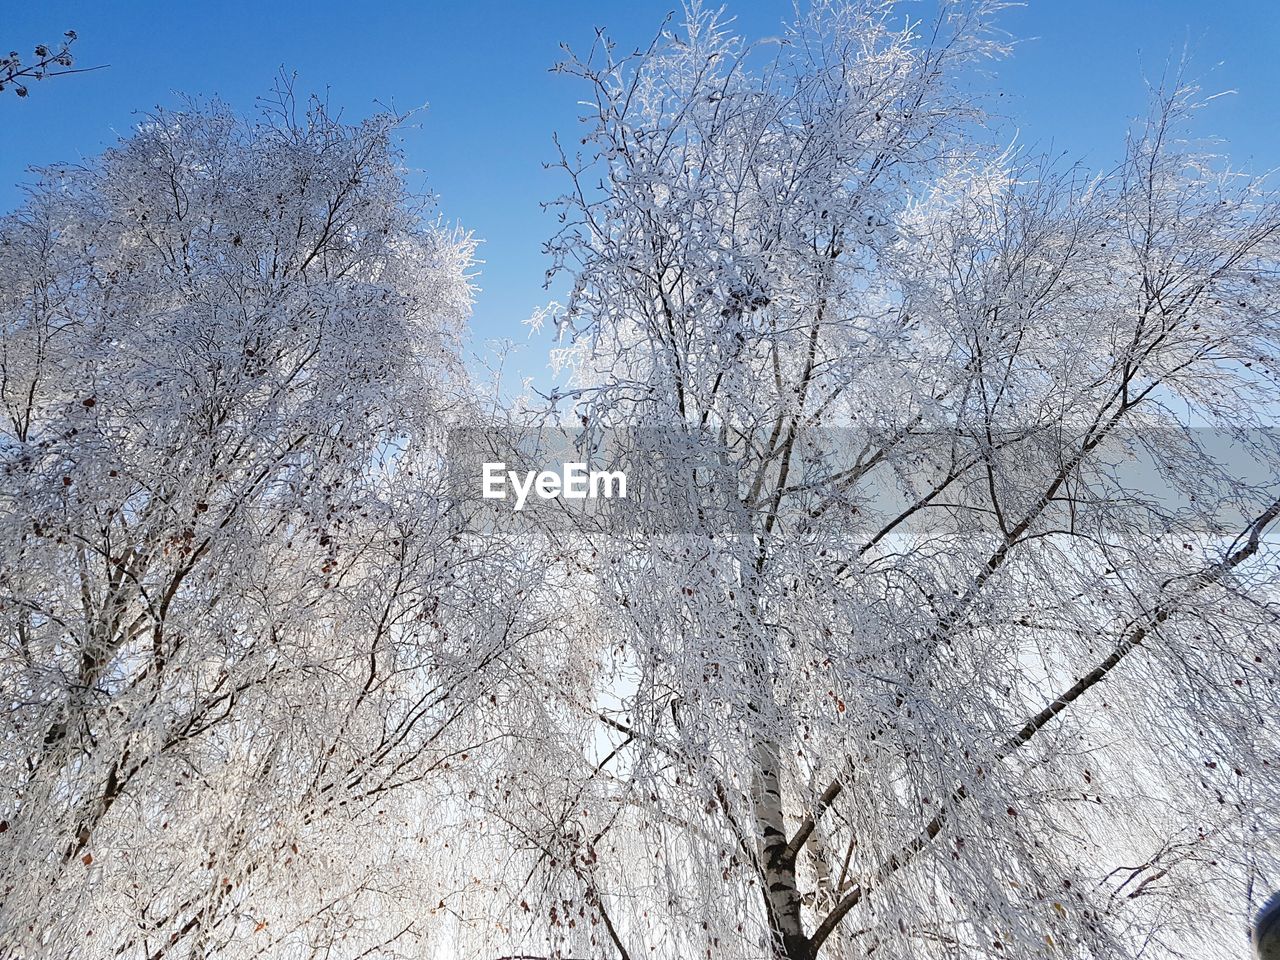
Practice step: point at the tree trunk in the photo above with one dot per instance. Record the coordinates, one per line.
(777, 865)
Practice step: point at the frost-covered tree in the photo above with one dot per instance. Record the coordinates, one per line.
(940, 620)
(240, 624)
(947, 625)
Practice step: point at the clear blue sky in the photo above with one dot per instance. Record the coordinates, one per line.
(482, 67)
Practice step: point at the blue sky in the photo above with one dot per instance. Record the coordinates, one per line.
(482, 69)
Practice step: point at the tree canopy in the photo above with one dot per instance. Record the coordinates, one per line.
(939, 620)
